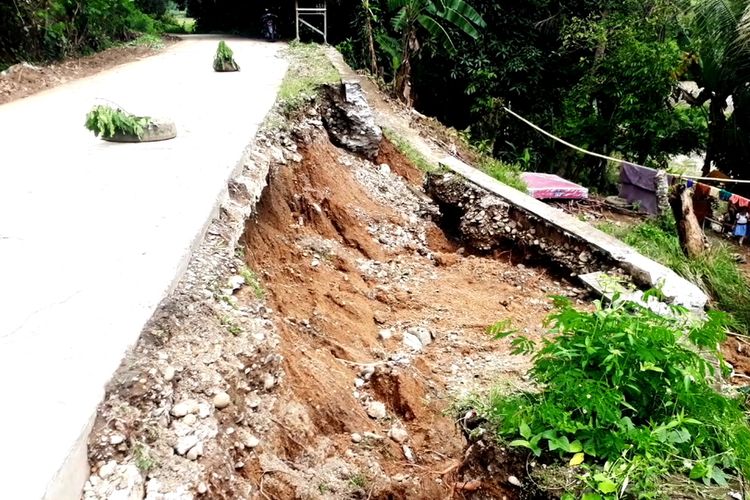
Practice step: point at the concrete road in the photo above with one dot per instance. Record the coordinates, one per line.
(93, 234)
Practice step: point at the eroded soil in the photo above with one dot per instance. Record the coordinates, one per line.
(353, 261)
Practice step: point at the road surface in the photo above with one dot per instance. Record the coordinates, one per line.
(93, 234)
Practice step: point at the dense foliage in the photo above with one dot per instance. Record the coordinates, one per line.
(716, 272)
(626, 396)
(41, 30)
(603, 74)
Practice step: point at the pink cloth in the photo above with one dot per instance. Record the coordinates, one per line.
(549, 186)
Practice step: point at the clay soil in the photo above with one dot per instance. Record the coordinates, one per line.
(347, 274)
(24, 80)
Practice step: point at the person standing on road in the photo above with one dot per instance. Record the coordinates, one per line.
(740, 226)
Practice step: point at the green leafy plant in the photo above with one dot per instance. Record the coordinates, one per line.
(224, 58)
(626, 396)
(252, 280)
(106, 121)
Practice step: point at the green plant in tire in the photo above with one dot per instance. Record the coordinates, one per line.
(224, 58)
(106, 121)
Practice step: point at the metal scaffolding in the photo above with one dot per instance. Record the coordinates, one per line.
(312, 12)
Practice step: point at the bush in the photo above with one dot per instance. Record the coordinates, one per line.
(107, 122)
(626, 393)
(39, 30)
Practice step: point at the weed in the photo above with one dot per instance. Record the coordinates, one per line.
(627, 399)
(716, 272)
(231, 326)
(252, 280)
(323, 488)
(143, 459)
(358, 480)
(309, 68)
(410, 152)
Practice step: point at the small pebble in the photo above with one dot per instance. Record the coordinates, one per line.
(376, 410)
(356, 438)
(202, 488)
(116, 439)
(169, 373)
(252, 441)
(222, 400)
(398, 434)
(268, 381)
(514, 481)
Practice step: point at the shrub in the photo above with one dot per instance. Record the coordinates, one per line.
(625, 392)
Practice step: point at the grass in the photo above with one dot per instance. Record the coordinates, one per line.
(358, 480)
(231, 326)
(147, 40)
(143, 459)
(504, 172)
(252, 280)
(716, 273)
(309, 68)
(410, 152)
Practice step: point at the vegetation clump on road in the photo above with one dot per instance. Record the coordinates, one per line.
(716, 272)
(626, 399)
(106, 121)
(224, 58)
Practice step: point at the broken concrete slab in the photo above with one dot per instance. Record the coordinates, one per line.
(644, 271)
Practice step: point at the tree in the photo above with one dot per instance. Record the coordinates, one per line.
(721, 33)
(412, 18)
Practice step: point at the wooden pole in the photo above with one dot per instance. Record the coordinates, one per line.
(325, 21)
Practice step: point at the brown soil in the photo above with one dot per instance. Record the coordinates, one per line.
(313, 245)
(22, 80)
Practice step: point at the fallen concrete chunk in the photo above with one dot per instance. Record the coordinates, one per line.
(349, 120)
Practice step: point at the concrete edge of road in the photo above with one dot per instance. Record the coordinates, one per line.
(69, 480)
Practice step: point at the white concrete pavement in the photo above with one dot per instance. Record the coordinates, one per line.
(94, 234)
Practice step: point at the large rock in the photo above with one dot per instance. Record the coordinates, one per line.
(349, 120)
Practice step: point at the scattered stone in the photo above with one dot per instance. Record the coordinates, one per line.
(222, 400)
(195, 452)
(356, 438)
(169, 373)
(268, 381)
(358, 382)
(376, 410)
(107, 469)
(398, 434)
(400, 478)
(189, 419)
(116, 439)
(374, 436)
(514, 481)
(204, 410)
(422, 333)
(412, 342)
(384, 168)
(252, 441)
(408, 453)
(315, 263)
(367, 372)
(184, 407)
(202, 488)
(236, 282)
(385, 334)
(185, 443)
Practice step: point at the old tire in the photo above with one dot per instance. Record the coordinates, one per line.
(158, 130)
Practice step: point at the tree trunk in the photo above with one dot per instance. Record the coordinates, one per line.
(692, 239)
(370, 39)
(403, 75)
(716, 129)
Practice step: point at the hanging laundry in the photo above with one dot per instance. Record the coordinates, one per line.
(734, 199)
(690, 183)
(724, 195)
(702, 189)
(743, 202)
(713, 192)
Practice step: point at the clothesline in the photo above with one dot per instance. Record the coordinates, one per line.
(616, 160)
(721, 194)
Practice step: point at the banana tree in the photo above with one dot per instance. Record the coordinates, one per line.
(416, 19)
